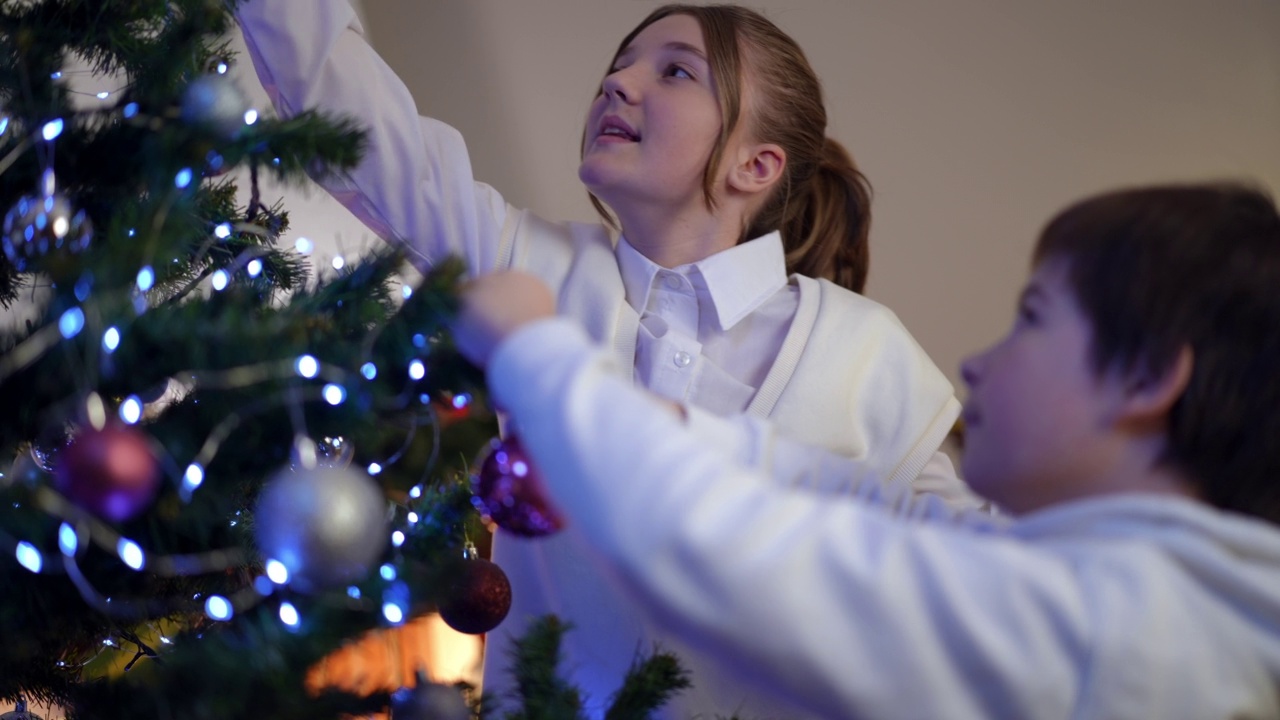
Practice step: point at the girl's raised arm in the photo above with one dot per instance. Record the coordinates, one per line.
(414, 186)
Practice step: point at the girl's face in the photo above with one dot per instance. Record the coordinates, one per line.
(651, 129)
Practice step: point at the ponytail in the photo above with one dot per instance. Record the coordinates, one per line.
(825, 219)
(826, 236)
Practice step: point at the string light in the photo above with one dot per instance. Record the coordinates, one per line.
(289, 615)
(374, 468)
(334, 394)
(222, 231)
(304, 246)
(393, 613)
(71, 322)
(183, 178)
(338, 262)
(250, 116)
(131, 554)
(131, 409)
(111, 339)
(29, 557)
(277, 572)
(130, 110)
(412, 517)
(388, 572)
(307, 366)
(51, 129)
(218, 608)
(192, 478)
(417, 370)
(397, 538)
(406, 291)
(146, 278)
(220, 279)
(254, 268)
(68, 540)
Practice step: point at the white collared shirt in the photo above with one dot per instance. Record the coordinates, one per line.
(710, 330)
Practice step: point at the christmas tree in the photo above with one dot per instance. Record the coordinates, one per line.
(223, 468)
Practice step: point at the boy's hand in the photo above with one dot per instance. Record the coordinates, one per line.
(496, 305)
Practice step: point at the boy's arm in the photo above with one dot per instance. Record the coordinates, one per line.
(415, 185)
(860, 606)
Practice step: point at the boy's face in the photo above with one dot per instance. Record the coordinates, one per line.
(1037, 420)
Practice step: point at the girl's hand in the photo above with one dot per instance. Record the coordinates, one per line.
(496, 305)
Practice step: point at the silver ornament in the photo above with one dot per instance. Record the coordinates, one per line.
(326, 525)
(39, 224)
(216, 102)
(428, 701)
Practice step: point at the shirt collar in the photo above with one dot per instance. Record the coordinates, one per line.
(737, 280)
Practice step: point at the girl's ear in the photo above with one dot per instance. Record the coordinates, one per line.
(757, 168)
(1150, 397)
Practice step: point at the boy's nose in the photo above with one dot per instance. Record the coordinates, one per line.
(971, 368)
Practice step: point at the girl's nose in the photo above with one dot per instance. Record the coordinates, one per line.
(617, 85)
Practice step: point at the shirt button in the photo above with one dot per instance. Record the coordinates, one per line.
(672, 281)
(683, 359)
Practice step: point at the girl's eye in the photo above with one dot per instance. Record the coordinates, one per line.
(678, 71)
(1027, 315)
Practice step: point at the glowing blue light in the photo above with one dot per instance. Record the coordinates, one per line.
(68, 540)
(4, 124)
(461, 400)
(289, 614)
(412, 517)
(146, 278)
(192, 478)
(406, 291)
(131, 554)
(419, 340)
(353, 592)
(278, 573)
(388, 572)
(334, 394)
(220, 279)
(131, 409)
(304, 246)
(223, 231)
(338, 262)
(415, 491)
(222, 68)
(130, 110)
(103, 95)
(183, 178)
(374, 468)
(111, 339)
(417, 370)
(519, 468)
(263, 585)
(132, 232)
(254, 268)
(57, 75)
(250, 116)
(218, 608)
(29, 557)
(397, 538)
(71, 322)
(52, 129)
(83, 286)
(307, 366)
(369, 371)
(393, 613)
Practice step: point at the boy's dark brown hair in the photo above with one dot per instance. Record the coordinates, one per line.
(1162, 268)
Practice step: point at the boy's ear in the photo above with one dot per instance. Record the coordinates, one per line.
(757, 168)
(1151, 397)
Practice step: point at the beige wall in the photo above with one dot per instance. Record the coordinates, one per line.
(974, 119)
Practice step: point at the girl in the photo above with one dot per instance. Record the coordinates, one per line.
(706, 143)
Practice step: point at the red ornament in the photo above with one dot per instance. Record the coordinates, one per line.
(111, 472)
(479, 598)
(508, 491)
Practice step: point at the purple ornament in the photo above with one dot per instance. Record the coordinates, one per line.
(507, 491)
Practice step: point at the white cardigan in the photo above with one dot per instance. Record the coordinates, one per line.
(1122, 606)
(849, 377)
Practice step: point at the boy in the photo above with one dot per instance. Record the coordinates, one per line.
(1129, 425)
